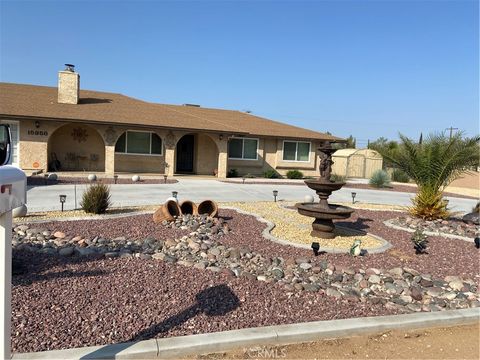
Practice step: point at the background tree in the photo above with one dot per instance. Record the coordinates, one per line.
(433, 164)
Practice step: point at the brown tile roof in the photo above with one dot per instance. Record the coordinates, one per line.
(94, 106)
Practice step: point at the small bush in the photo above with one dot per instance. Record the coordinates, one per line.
(232, 173)
(420, 242)
(400, 176)
(380, 179)
(96, 199)
(271, 174)
(249, 176)
(294, 174)
(338, 178)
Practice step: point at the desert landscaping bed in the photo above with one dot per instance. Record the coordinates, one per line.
(92, 282)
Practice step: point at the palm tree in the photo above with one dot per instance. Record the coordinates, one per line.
(433, 164)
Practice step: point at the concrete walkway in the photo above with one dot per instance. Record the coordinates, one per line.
(43, 198)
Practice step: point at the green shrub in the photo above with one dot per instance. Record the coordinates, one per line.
(271, 174)
(338, 178)
(380, 179)
(400, 176)
(96, 199)
(249, 176)
(232, 173)
(294, 174)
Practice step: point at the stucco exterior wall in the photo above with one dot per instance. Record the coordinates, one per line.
(206, 155)
(210, 151)
(78, 147)
(139, 163)
(270, 156)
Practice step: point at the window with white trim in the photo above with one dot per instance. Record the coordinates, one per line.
(296, 151)
(139, 142)
(243, 149)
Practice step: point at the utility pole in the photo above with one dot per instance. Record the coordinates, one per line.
(451, 128)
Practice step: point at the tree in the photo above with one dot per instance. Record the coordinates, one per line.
(351, 142)
(385, 146)
(433, 164)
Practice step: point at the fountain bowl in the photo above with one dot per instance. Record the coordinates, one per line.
(323, 225)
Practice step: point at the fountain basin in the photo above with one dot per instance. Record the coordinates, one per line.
(324, 185)
(323, 225)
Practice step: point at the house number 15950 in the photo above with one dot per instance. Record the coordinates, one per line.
(37, 132)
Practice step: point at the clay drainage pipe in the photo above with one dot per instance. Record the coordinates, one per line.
(188, 207)
(167, 212)
(208, 207)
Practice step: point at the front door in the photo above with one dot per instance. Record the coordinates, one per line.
(185, 154)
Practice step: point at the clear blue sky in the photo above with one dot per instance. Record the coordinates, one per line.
(365, 68)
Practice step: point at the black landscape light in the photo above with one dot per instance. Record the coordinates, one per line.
(175, 194)
(165, 178)
(353, 197)
(315, 247)
(477, 242)
(275, 194)
(63, 198)
(45, 176)
(115, 178)
(243, 179)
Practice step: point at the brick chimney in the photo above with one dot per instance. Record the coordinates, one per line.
(68, 85)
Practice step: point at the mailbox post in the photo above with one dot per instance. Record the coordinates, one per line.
(13, 193)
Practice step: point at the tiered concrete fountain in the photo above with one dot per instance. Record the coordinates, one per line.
(323, 212)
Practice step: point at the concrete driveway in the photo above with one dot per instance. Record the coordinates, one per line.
(42, 198)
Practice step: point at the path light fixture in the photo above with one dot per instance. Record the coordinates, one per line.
(446, 202)
(353, 197)
(115, 178)
(275, 194)
(165, 178)
(175, 194)
(45, 177)
(243, 179)
(63, 198)
(315, 247)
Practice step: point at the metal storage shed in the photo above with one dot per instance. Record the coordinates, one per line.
(359, 163)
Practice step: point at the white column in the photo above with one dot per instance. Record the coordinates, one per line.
(6, 276)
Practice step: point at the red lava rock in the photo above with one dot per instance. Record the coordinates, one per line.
(84, 301)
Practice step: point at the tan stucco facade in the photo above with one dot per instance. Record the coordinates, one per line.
(84, 146)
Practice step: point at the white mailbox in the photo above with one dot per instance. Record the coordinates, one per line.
(13, 188)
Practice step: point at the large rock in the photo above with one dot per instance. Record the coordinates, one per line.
(473, 218)
(20, 211)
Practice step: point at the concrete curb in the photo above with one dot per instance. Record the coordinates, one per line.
(182, 346)
(431, 233)
(266, 233)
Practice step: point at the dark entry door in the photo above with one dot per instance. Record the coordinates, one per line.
(185, 154)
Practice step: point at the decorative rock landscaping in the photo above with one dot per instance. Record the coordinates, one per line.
(110, 280)
(451, 226)
(295, 228)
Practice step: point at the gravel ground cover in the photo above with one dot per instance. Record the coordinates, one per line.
(67, 180)
(293, 227)
(183, 279)
(453, 226)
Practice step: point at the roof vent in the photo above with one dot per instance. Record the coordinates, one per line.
(69, 67)
(192, 105)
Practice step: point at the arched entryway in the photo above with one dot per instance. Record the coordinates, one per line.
(76, 147)
(196, 154)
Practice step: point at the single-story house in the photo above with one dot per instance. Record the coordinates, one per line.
(68, 129)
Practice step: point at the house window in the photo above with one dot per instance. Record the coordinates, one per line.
(243, 149)
(139, 142)
(296, 151)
